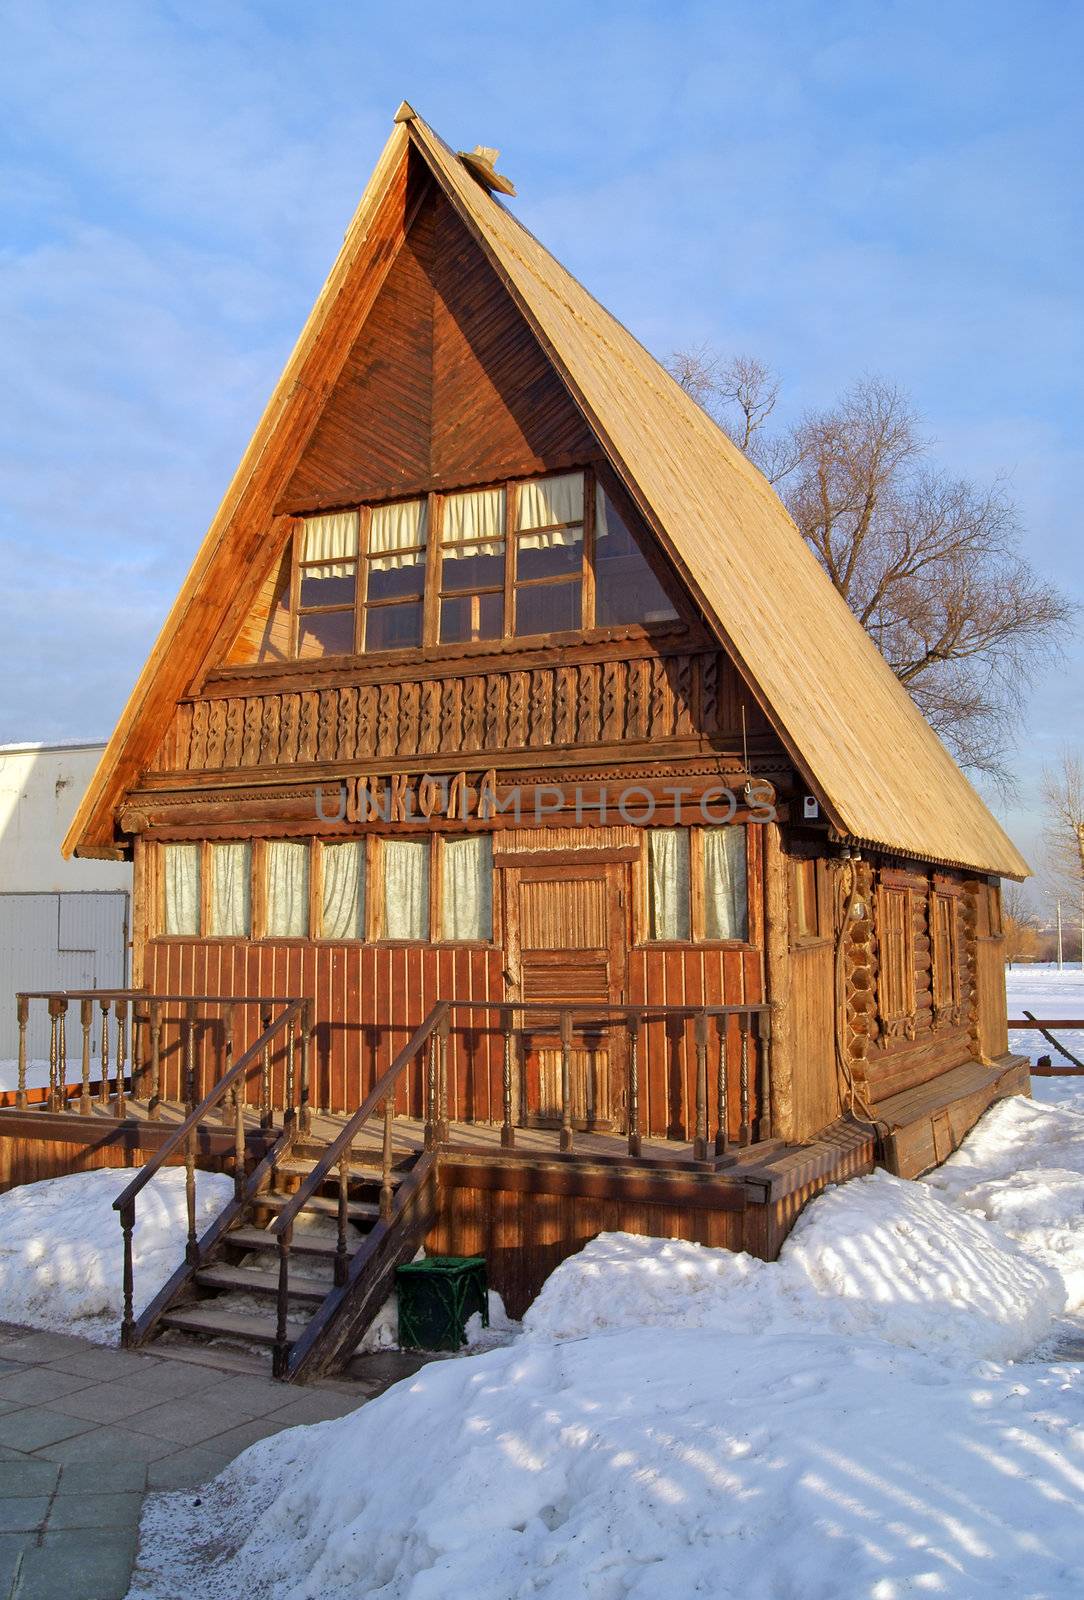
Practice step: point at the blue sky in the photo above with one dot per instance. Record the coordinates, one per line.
(837, 188)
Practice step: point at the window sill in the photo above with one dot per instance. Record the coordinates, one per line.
(695, 944)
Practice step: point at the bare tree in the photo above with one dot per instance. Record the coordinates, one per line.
(1063, 804)
(1020, 926)
(928, 563)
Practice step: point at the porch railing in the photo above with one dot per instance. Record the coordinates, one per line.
(731, 1077)
(154, 1047)
(294, 1023)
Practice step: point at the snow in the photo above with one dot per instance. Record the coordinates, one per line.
(60, 1246)
(37, 1074)
(864, 1419)
(1040, 988)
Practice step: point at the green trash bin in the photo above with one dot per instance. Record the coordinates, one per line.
(436, 1296)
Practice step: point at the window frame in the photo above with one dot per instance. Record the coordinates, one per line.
(431, 572)
(697, 897)
(373, 916)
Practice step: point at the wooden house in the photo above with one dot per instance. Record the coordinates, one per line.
(511, 796)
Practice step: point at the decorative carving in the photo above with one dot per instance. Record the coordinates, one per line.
(643, 700)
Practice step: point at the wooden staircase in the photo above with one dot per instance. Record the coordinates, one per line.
(244, 1263)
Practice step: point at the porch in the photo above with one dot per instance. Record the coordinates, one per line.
(327, 1202)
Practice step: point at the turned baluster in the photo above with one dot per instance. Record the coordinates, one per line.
(700, 1142)
(188, 1030)
(266, 1118)
(192, 1248)
(122, 1025)
(281, 1352)
(86, 1022)
(22, 1006)
(155, 1100)
(431, 1094)
(304, 1111)
(54, 1047)
(743, 1079)
(722, 1134)
(127, 1224)
(508, 1131)
(289, 1114)
(386, 1191)
(764, 1075)
(566, 1080)
(103, 1064)
(229, 1101)
(632, 1024)
(342, 1219)
(442, 1089)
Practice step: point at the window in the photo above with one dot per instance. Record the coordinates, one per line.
(724, 888)
(287, 880)
(626, 589)
(668, 897)
(806, 907)
(466, 889)
(472, 571)
(945, 972)
(342, 876)
(548, 581)
(327, 584)
(395, 576)
(507, 561)
(181, 885)
(896, 981)
(231, 891)
(696, 884)
(406, 889)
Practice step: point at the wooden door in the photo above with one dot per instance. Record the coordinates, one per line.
(567, 942)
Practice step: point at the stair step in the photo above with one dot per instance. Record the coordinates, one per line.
(300, 1167)
(323, 1206)
(214, 1324)
(305, 1244)
(222, 1276)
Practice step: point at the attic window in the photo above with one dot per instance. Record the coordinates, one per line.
(528, 558)
(327, 584)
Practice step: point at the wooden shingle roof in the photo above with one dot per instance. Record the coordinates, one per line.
(881, 773)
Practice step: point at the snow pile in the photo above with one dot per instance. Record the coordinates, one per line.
(61, 1247)
(1023, 1169)
(875, 1258)
(647, 1466)
(1040, 988)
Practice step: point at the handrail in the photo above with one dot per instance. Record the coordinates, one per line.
(150, 994)
(617, 1010)
(240, 1068)
(379, 1092)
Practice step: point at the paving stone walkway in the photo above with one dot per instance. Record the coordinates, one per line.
(86, 1431)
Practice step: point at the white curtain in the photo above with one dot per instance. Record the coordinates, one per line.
(287, 889)
(601, 525)
(668, 883)
(231, 891)
(396, 528)
(406, 889)
(725, 904)
(344, 891)
(478, 514)
(181, 869)
(548, 500)
(332, 538)
(466, 901)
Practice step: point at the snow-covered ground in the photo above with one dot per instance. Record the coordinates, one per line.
(866, 1417)
(37, 1074)
(61, 1253)
(1040, 988)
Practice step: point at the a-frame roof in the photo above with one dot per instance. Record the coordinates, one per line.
(883, 777)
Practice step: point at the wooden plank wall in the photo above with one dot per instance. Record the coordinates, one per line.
(370, 998)
(811, 1027)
